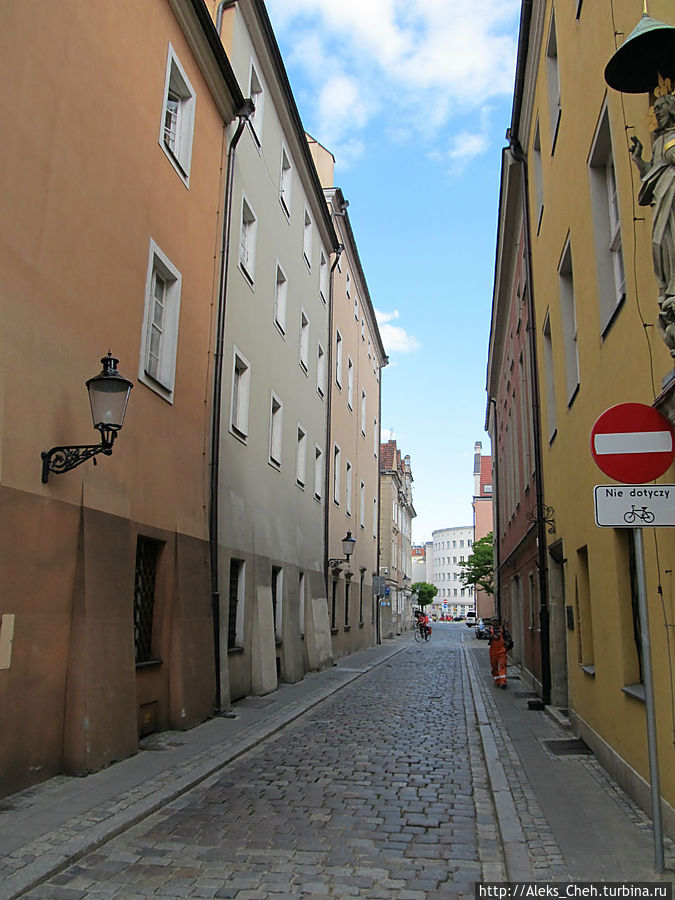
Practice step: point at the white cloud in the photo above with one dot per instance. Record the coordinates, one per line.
(383, 317)
(417, 64)
(395, 339)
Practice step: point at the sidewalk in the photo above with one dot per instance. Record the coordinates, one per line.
(51, 825)
(561, 816)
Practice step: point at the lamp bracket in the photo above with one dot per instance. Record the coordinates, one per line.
(62, 459)
(335, 563)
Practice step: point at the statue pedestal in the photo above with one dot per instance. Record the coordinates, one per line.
(665, 402)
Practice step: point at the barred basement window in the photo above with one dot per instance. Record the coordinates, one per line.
(235, 622)
(147, 554)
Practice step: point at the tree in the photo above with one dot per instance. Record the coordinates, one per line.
(479, 568)
(425, 592)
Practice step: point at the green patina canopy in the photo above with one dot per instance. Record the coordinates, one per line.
(647, 52)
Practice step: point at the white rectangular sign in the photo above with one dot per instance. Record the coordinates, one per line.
(634, 505)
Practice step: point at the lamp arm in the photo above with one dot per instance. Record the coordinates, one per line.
(62, 459)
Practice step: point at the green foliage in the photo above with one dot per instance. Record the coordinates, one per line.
(479, 568)
(425, 592)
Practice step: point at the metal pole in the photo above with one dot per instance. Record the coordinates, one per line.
(649, 700)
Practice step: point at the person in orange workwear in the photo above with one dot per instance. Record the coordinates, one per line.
(500, 642)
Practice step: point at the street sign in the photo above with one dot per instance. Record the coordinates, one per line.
(632, 443)
(634, 505)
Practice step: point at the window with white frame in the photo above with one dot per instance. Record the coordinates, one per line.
(280, 300)
(363, 330)
(350, 382)
(549, 374)
(301, 457)
(321, 369)
(375, 438)
(307, 239)
(348, 488)
(569, 322)
(362, 504)
(159, 338)
(337, 456)
(607, 226)
(276, 413)
(553, 82)
(356, 308)
(363, 412)
(257, 95)
(285, 181)
(338, 359)
(374, 517)
(324, 276)
(247, 240)
(178, 115)
(304, 340)
(348, 285)
(241, 390)
(318, 472)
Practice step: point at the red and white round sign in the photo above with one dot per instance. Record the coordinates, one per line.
(632, 443)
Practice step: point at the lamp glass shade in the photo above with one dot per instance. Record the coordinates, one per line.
(108, 396)
(348, 543)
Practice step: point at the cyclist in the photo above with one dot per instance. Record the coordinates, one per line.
(423, 624)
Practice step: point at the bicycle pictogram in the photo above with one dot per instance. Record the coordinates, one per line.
(639, 513)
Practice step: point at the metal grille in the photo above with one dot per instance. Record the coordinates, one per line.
(147, 553)
(333, 610)
(234, 599)
(347, 592)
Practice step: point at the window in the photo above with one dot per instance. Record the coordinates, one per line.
(348, 286)
(235, 618)
(307, 239)
(350, 382)
(304, 340)
(301, 457)
(606, 222)
(147, 555)
(323, 276)
(549, 372)
(584, 612)
(301, 599)
(356, 308)
(538, 183)
(336, 474)
(333, 605)
(321, 370)
(285, 179)
(276, 411)
(376, 441)
(569, 323)
(277, 600)
(362, 504)
(553, 80)
(374, 517)
(363, 330)
(348, 586)
(348, 487)
(363, 578)
(338, 359)
(318, 472)
(363, 413)
(178, 115)
(257, 95)
(159, 339)
(247, 241)
(280, 300)
(241, 388)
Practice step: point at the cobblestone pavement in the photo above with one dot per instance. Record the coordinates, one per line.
(379, 792)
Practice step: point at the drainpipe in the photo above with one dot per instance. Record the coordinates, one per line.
(518, 155)
(243, 115)
(495, 518)
(329, 400)
(222, 6)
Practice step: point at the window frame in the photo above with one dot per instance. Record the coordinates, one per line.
(239, 425)
(275, 443)
(285, 181)
(301, 457)
(164, 382)
(256, 91)
(248, 228)
(280, 299)
(180, 156)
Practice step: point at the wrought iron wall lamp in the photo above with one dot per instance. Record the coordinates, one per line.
(108, 397)
(348, 544)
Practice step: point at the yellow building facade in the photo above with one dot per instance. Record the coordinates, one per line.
(597, 345)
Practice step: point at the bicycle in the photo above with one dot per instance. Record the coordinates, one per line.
(417, 632)
(641, 513)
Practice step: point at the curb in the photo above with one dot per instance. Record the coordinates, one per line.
(46, 865)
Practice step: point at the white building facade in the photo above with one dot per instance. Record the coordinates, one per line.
(449, 548)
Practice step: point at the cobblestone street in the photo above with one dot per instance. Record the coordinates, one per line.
(379, 792)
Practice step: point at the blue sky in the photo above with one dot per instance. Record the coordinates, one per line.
(413, 97)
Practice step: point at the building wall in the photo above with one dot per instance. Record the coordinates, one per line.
(83, 121)
(270, 520)
(619, 360)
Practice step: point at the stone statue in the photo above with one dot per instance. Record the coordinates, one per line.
(658, 191)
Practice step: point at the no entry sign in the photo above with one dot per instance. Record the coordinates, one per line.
(632, 443)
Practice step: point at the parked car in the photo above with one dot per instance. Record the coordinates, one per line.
(470, 618)
(481, 630)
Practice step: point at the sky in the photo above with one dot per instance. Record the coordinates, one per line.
(413, 98)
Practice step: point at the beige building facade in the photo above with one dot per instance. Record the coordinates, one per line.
(396, 514)
(115, 136)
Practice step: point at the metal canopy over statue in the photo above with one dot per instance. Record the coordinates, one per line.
(645, 62)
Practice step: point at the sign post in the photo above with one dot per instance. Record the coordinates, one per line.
(633, 443)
